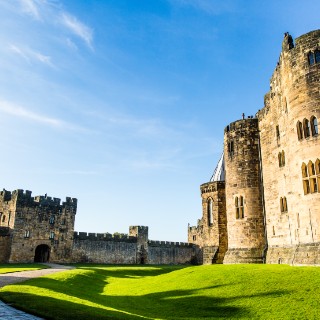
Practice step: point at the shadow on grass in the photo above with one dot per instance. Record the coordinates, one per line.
(88, 288)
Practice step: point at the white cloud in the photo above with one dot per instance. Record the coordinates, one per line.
(77, 28)
(31, 55)
(21, 112)
(31, 8)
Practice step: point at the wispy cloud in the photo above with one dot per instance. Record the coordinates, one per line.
(213, 7)
(21, 112)
(31, 55)
(30, 7)
(77, 28)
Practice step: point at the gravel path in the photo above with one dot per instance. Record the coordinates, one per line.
(9, 313)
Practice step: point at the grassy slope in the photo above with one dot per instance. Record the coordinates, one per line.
(16, 267)
(217, 291)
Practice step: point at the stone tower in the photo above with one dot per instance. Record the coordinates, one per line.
(210, 234)
(142, 235)
(246, 225)
(290, 147)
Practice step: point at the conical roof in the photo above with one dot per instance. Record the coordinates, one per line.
(219, 172)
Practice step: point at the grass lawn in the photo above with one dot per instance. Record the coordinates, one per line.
(15, 267)
(166, 292)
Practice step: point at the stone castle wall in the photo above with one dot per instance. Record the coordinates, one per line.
(36, 221)
(5, 244)
(294, 97)
(246, 230)
(163, 252)
(210, 234)
(104, 248)
(134, 248)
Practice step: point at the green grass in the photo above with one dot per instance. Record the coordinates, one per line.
(165, 292)
(17, 267)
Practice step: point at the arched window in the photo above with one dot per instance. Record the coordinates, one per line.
(236, 204)
(306, 128)
(304, 170)
(281, 204)
(210, 212)
(311, 168)
(311, 58)
(4, 218)
(283, 159)
(312, 177)
(305, 179)
(51, 220)
(317, 56)
(285, 206)
(314, 125)
(299, 130)
(241, 208)
(317, 166)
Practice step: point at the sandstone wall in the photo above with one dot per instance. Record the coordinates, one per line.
(210, 234)
(294, 96)
(38, 221)
(245, 218)
(161, 252)
(5, 244)
(105, 248)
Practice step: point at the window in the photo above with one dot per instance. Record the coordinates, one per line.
(281, 158)
(27, 234)
(311, 58)
(231, 148)
(283, 205)
(194, 238)
(299, 130)
(210, 212)
(4, 218)
(311, 168)
(51, 220)
(317, 56)
(306, 128)
(317, 166)
(236, 204)
(277, 132)
(51, 235)
(273, 231)
(314, 125)
(239, 204)
(312, 177)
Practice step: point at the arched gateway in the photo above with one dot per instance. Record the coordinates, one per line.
(42, 253)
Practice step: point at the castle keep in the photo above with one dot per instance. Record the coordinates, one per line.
(263, 202)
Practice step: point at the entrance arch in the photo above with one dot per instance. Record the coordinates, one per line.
(42, 253)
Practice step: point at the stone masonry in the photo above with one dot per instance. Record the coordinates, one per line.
(272, 168)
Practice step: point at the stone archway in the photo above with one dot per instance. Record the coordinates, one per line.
(42, 253)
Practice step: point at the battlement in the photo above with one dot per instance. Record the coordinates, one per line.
(241, 124)
(24, 197)
(153, 243)
(119, 237)
(212, 186)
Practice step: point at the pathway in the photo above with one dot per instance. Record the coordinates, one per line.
(9, 313)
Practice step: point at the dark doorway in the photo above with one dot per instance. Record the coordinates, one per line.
(42, 253)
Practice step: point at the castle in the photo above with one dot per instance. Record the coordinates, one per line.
(262, 203)
(41, 229)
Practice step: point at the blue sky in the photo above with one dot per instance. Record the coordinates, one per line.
(122, 103)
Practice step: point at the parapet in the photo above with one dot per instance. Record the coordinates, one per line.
(212, 186)
(116, 237)
(242, 124)
(152, 243)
